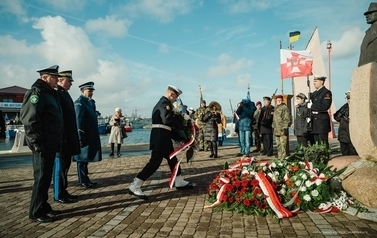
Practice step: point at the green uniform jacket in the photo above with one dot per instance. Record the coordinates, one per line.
(282, 120)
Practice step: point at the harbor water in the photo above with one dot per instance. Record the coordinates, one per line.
(137, 136)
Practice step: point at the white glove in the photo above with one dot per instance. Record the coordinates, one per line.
(309, 104)
(186, 117)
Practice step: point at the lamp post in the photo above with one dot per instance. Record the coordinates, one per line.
(329, 47)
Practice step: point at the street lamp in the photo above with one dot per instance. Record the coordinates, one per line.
(329, 47)
(332, 132)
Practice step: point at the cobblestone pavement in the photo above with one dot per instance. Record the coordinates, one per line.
(109, 211)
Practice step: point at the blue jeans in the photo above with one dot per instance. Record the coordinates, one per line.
(245, 142)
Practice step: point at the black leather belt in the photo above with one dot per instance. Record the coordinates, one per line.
(314, 112)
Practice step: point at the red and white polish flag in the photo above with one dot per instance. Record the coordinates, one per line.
(295, 63)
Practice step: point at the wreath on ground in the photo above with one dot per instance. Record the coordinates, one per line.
(278, 187)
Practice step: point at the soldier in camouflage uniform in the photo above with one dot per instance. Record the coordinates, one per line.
(280, 124)
(203, 145)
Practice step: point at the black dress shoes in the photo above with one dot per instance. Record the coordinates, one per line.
(188, 186)
(86, 185)
(42, 219)
(70, 196)
(66, 200)
(53, 212)
(92, 183)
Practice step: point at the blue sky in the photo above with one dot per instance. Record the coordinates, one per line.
(133, 49)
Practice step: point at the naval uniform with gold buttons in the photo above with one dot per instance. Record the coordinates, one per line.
(321, 102)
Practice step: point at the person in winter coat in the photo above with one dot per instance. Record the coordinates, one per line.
(258, 139)
(342, 116)
(117, 133)
(265, 126)
(280, 123)
(70, 145)
(300, 124)
(87, 125)
(246, 114)
(212, 117)
(221, 129)
(42, 118)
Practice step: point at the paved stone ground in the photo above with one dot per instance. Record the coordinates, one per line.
(109, 211)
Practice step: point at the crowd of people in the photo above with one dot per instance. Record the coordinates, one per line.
(59, 130)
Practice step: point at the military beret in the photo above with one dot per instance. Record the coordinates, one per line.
(203, 101)
(279, 96)
(53, 70)
(88, 85)
(175, 89)
(258, 103)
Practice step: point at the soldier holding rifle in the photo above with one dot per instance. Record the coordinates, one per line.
(320, 102)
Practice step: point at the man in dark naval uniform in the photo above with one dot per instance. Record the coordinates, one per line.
(70, 145)
(41, 116)
(164, 122)
(320, 102)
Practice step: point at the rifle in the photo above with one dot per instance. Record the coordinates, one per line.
(309, 125)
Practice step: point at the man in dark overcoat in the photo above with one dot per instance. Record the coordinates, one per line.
(164, 122)
(265, 126)
(70, 145)
(41, 116)
(368, 48)
(89, 139)
(320, 103)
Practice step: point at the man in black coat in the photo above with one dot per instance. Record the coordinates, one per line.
(70, 145)
(265, 126)
(164, 123)
(320, 102)
(342, 116)
(41, 116)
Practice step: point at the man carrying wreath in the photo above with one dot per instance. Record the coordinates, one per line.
(164, 122)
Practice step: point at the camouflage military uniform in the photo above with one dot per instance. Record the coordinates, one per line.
(280, 123)
(203, 145)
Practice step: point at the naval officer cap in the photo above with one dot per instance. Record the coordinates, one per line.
(175, 89)
(322, 78)
(267, 98)
(88, 85)
(66, 74)
(53, 70)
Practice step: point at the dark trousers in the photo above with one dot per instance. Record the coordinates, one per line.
(321, 138)
(268, 144)
(302, 140)
(82, 172)
(347, 149)
(155, 162)
(213, 147)
(61, 168)
(43, 164)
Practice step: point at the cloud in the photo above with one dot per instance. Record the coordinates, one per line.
(13, 7)
(348, 45)
(162, 10)
(243, 6)
(65, 44)
(163, 49)
(65, 5)
(227, 65)
(110, 25)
